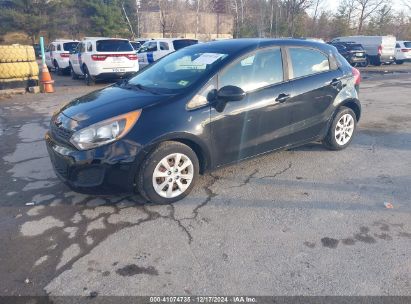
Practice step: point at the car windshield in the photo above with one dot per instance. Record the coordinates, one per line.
(407, 44)
(70, 46)
(136, 45)
(177, 71)
(114, 45)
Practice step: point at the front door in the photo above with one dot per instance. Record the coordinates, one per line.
(253, 125)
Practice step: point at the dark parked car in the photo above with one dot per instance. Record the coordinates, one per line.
(354, 53)
(203, 107)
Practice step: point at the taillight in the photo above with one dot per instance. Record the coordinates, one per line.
(405, 50)
(64, 55)
(99, 57)
(380, 50)
(357, 76)
(132, 56)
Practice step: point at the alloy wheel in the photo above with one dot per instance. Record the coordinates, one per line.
(173, 175)
(344, 129)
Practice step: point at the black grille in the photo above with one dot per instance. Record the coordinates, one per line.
(60, 134)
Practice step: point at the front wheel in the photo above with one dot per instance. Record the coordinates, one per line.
(168, 174)
(342, 129)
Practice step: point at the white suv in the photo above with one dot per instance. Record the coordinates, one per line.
(402, 52)
(57, 55)
(153, 50)
(103, 58)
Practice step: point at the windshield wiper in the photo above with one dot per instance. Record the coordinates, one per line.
(137, 86)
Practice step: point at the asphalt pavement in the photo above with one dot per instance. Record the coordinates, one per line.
(308, 221)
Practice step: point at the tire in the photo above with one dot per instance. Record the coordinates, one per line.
(332, 140)
(153, 164)
(18, 70)
(73, 75)
(399, 61)
(57, 68)
(16, 53)
(90, 81)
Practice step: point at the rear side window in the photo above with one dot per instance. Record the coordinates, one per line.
(113, 45)
(179, 44)
(407, 44)
(261, 69)
(164, 46)
(307, 62)
(70, 46)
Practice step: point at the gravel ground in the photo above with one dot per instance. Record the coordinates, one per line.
(303, 222)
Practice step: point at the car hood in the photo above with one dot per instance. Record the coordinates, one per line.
(109, 102)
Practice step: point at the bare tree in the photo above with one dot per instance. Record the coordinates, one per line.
(366, 9)
(294, 8)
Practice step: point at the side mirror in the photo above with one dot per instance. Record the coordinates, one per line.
(231, 93)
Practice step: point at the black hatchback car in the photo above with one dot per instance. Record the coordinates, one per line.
(354, 53)
(203, 107)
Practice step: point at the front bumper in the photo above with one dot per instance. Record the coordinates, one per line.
(107, 169)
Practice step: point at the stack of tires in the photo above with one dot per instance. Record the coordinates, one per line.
(18, 67)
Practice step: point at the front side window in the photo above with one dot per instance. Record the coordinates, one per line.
(149, 46)
(258, 70)
(307, 62)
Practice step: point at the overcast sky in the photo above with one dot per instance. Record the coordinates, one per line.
(333, 4)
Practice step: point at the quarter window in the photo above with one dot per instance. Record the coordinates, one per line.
(89, 47)
(58, 47)
(307, 62)
(261, 69)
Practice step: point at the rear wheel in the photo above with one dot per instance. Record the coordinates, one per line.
(342, 129)
(90, 81)
(72, 73)
(168, 174)
(57, 68)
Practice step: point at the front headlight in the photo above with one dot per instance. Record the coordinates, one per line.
(104, 132)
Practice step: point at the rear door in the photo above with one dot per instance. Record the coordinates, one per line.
(315, 81)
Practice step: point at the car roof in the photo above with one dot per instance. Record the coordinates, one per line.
(64, 40)
(102, 38)
(168, 39)
(243, 45)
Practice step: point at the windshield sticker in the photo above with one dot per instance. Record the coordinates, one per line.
(208, 58)
(183, 83)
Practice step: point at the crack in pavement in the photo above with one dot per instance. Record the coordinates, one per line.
(279, 172)
(247, 180)
(210, 195)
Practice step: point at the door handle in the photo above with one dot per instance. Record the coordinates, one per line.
(336, 82)
(282, 97)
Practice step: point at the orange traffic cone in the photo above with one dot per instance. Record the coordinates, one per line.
(46, 80)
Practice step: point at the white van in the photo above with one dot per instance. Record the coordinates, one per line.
(380, 49)
(153, 50)
(58, 53)
(103, 58)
